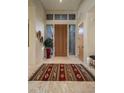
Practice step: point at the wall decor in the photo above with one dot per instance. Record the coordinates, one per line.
(38, 35)
(41, 39)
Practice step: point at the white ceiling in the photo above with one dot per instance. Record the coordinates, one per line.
(66, 5)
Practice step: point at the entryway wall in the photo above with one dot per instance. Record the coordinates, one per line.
(36, 17)
(86, 15)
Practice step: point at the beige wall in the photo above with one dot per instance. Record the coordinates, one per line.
(91, 31)
(36, 22)
(86, 15)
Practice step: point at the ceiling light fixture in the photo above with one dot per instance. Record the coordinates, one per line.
(60, 1)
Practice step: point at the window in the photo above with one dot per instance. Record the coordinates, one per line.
(60, 16)
(49, 16)
(49, 31)
(72, 29)
(49, 34)
(71, 16)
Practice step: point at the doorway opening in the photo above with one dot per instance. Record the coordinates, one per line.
(81, 42)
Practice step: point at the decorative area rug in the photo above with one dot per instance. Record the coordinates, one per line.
(62, 72)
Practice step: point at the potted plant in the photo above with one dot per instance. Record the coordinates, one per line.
(48, 43)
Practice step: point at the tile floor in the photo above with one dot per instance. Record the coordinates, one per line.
(61, 86)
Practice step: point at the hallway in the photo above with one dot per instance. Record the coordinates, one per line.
(62, 46)
(61, 39)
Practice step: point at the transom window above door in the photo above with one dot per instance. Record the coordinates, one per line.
(60, 16)
(49, 16)
(71, 16)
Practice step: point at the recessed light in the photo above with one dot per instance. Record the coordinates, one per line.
(60, 1)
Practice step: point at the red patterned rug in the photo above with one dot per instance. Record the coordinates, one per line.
(62, 72)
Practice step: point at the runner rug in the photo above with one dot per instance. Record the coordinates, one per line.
(62, 72)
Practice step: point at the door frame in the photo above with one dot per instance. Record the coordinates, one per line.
(67, 37)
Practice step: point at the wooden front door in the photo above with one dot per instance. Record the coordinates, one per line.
(80, 43)
(60, 40)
